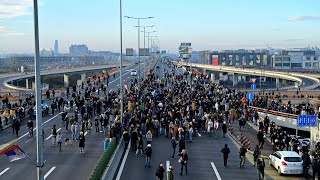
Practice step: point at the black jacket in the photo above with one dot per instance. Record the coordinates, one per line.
(225, 151)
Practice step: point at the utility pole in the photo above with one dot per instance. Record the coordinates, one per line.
(38, 95)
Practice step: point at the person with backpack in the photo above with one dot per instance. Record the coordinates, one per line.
(225, 151)
(159, 172)
(148, 152)
(260, 167)
(256, 154)
(242, 154)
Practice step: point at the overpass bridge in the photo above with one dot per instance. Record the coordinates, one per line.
(277, 75)
(9, 78)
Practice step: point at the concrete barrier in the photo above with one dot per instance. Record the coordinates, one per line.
(114, 163)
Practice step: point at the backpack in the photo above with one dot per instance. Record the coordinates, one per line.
(261, 164)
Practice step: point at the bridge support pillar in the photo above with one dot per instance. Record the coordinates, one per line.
(27, 83)
(235, 79)
(66, 80)
(83, 77)
(284, 82)
(277, 83)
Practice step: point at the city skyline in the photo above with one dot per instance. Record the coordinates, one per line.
(212, 25)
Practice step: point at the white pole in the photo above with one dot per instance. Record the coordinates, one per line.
(38, 93)
(121, 82)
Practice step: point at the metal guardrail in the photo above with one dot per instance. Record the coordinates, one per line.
(276, 113)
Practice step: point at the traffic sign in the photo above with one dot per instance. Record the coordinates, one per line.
(253, 80)
(249, 95)
(307, 120)
(253, 86)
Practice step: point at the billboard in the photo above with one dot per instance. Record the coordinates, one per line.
(185, 44)
(129, 52)
(215, 60)
(185, 50)
(143, 52)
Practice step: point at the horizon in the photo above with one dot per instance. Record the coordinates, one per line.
(209, 25)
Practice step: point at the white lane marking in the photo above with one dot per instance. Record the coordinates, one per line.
(42, 124)
(1, 173)
(123, 162)
(29, 140)
(216, 171)
(51, 134)
(49, 172)
(85, 133)
(167, 167)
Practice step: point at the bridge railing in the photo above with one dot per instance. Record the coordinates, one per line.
(276, 113)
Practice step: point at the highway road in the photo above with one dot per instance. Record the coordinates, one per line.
(205, 158)
(68, 164)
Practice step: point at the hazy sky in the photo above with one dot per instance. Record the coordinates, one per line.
(208, 24)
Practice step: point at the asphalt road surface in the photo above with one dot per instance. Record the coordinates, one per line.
(68, 164)
(205, 159)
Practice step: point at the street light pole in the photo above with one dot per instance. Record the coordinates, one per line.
(139, 40)
(38, 95)
(121, 82)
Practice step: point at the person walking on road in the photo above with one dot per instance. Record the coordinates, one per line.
(315, 165)
(139, 145)
(256, 154)
(170, 173)
(82, 142)
(225, 151)
(242, 154)
(174, 146)
(148, 152)
(54, 134)
(159, 172)
(59, 140)
(149, 137)
(306, 163)
(183, 161)
(260, 137)
(224, 129)
(182, 143)
(17, 127)
(260, 167)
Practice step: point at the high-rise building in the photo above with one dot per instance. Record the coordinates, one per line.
(56, 48)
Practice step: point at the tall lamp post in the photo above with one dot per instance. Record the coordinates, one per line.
(121, 81)
(149, 40)
(144, 47)
(39, 134)
(138, 18)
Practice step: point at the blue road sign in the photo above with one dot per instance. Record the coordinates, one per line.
(307, 120)
(253, 86)
(249, 95)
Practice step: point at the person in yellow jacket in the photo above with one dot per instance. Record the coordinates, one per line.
(12, 112)
(5, 116)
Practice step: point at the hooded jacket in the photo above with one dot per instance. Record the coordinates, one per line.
(225, 151)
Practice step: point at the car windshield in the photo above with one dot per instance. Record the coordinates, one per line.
(293, 159)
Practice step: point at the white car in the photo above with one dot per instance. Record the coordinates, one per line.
(286, 162)
(134, 73)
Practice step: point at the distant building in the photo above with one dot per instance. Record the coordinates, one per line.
(56, 48)
(78, 50)
(241, 57)
(46, 53)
